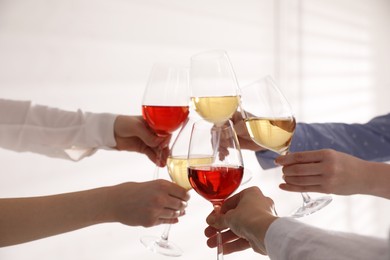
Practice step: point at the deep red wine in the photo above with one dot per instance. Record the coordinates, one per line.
(165, 119)
(215, 183)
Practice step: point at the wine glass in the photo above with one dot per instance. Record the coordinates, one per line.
(165, 104)
(177, 169)
(271, 124)
(165, 107)
(214, 88)
(217, 179)
(215, 94)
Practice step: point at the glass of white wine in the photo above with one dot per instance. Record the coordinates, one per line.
(271, 124)
(215, 94)
(214, 87)
(177, 164)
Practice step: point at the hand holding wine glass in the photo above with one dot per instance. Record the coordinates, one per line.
(216, 180)
(271, 124)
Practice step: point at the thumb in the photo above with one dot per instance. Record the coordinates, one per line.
(217, 220)
(152, 140)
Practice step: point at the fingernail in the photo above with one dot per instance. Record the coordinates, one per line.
(279, 160)
(276, 162)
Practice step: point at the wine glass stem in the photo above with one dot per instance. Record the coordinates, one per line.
(156, 170)
(306, 198)
(165, 234)
(217, 209)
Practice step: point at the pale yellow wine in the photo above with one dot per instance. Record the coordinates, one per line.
(216, 109)
(273, 134)
(177, 168)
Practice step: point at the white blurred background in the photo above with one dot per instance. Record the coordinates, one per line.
(331, 58)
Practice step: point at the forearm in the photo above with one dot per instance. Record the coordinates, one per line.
(368, 141)
(27, 219)
(53, 132)
(376, 179)
(289, 239)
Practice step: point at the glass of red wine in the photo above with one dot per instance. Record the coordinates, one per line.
(165, 104)
(216, 179)
(165, 107)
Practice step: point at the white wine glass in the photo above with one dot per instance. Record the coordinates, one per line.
(271, 124)
(217, 179)
(215, 94)
(214, 87)
(165, 103)
(165, 107)
(177, 169)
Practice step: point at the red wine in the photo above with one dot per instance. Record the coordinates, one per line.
(165, 119)
(215, 183)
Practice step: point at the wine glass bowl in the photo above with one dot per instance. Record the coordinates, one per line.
(165, 104)
(267, 115)
(164, 120)
(271, 124)
(214, 86)
(177, 161)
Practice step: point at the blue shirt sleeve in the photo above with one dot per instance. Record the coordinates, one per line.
(369, 141)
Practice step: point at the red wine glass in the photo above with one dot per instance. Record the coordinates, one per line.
(218, 179)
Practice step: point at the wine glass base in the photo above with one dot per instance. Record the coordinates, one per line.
(312, 206)
(161, 246)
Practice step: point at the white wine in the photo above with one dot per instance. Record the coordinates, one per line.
(216, 109)
(177, 168)
(273, 134)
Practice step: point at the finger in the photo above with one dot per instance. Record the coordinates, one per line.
(303, 180)
(168, 221)
(230, 203)
(300, 157)
(176, 204)
(226, 236)
(210, 231)
(235, 246)
(179, 193)
(239, 124)
(170, 214)
(216, 221)
(303, 169)
(152, 155)
(148, 136)
(294, 188)
(231, 242)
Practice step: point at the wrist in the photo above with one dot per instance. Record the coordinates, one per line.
(376, 179)
(100, 202)
(258, 229)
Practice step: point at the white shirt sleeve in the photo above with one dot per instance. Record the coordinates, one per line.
(54, 132)
(287, 238)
